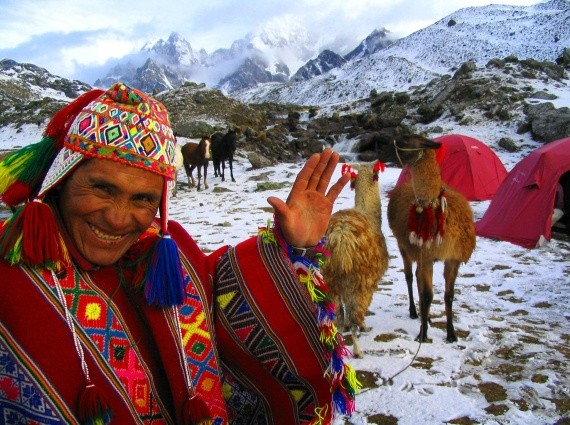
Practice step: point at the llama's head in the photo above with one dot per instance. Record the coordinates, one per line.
(411, 148)
(206, 147)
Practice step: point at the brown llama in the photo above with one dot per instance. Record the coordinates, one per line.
(358, 255)
(430, 222)
(197, 155)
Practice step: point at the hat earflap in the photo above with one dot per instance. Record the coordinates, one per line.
(164, 282)
(31, 235)
(22, 171)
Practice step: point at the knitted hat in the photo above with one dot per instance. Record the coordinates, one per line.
(122, 125)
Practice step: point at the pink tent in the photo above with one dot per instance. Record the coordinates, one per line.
(469, 166)
(521, 210)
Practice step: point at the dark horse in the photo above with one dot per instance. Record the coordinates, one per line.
(197, 155)
(223, 148)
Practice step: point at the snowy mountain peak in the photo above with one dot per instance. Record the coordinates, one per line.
(176, 50)
(282, 33)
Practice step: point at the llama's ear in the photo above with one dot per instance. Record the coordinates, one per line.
(377, 168)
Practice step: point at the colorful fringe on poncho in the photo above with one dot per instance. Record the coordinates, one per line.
(342, 377)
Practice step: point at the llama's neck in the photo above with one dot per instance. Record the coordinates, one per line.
(426, 176)
(367, 199)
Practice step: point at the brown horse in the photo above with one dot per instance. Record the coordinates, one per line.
(197, 155)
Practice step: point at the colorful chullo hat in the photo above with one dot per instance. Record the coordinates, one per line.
(121, 124)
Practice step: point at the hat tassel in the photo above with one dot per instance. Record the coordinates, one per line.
(164, 284)
(94, 408)
(31, 235)
(196, 412)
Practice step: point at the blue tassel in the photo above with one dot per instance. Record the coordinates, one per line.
(164, 285)
(337, 362)
(339, 400)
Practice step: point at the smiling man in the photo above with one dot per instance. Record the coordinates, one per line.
(110, 313)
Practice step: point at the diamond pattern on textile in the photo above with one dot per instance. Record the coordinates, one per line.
(246, 326)
(22, 400)
(196, 340)
(113, 133)
(105, 328)
(85, 124)
(244, 406)
(149, 145)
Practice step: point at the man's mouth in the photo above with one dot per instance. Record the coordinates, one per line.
(105, 236)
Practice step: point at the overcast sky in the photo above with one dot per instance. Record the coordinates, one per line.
(69, 37)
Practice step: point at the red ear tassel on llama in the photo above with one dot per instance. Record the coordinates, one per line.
(353, 173)
(379, 166)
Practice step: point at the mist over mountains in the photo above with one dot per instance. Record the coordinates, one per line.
(284, 62)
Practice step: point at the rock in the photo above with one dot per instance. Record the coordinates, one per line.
(508, 144)
(548, 123)
(257, 160)
(542, 95)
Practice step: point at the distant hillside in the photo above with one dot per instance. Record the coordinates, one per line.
(539, 32)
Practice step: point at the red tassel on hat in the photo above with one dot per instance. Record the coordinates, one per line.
(32, 235)
(94, 408)
(196, 412)
(17, 193)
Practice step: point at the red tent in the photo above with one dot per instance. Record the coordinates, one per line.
(521, 210)
(469, 166)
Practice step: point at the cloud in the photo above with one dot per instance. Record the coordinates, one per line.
(68, 37)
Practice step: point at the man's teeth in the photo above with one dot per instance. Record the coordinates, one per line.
(102, 235)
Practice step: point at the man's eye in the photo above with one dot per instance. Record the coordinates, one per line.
(146, 199)
(101, 187)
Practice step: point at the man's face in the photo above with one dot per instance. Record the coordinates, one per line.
(106, 206)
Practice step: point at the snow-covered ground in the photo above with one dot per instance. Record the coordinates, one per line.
(512, 311)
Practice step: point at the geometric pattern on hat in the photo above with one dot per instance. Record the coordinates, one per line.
(127, 126)
(123, 125)
(64, 162)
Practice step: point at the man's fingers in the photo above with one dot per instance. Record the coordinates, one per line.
(336, 188)
(318, 180)
(325, 178)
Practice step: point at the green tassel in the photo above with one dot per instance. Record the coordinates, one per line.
(27, 165)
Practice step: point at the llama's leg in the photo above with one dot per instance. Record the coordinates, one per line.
(231, 162)
(363, 299)
(191, 181)
(216, 165)
(355, 343)
(199, 172)
(450, 270)
(425, 293)
(353, 318)
(188, 174)
(409, 274)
